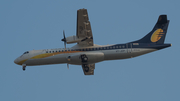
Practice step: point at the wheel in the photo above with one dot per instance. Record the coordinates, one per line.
(84, 58)
(86, 68)
(24, 68)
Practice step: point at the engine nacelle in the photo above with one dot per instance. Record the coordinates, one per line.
(92, 57)
(73, 39)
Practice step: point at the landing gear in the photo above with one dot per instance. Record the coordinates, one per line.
(84, 58)
(24, 67)
(86, 68)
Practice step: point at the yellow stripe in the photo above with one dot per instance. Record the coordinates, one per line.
(21, 62)
(46, 55)
(51, 54)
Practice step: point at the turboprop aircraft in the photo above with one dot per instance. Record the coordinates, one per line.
(86, 53)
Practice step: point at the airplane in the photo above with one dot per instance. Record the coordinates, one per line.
(86, 53)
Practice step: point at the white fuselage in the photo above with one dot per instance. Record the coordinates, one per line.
(71, 55)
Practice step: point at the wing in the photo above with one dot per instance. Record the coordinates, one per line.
(84, 31)
(88, 69)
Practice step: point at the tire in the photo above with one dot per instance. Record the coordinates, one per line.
(86, 68)
(84, 58)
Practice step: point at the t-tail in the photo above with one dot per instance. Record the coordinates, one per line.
(158, 34)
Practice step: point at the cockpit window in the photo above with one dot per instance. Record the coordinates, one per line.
(26, 52)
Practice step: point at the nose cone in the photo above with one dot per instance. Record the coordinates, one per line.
(16, 61)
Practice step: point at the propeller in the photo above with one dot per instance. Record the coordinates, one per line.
(67, 65)
(64, 39)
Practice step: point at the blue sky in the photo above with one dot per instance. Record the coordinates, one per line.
(38, 24)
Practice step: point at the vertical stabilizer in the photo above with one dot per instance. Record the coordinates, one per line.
(158, 34)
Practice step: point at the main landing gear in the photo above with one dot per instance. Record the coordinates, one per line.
(84, 58)
(86, 68)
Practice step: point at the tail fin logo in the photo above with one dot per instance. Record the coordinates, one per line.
(157, 35)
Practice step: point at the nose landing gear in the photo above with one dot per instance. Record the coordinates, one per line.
(24, 67)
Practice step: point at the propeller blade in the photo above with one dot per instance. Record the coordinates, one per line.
(64, 39)
(64, 34)
(67, 65)
(65, 45)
